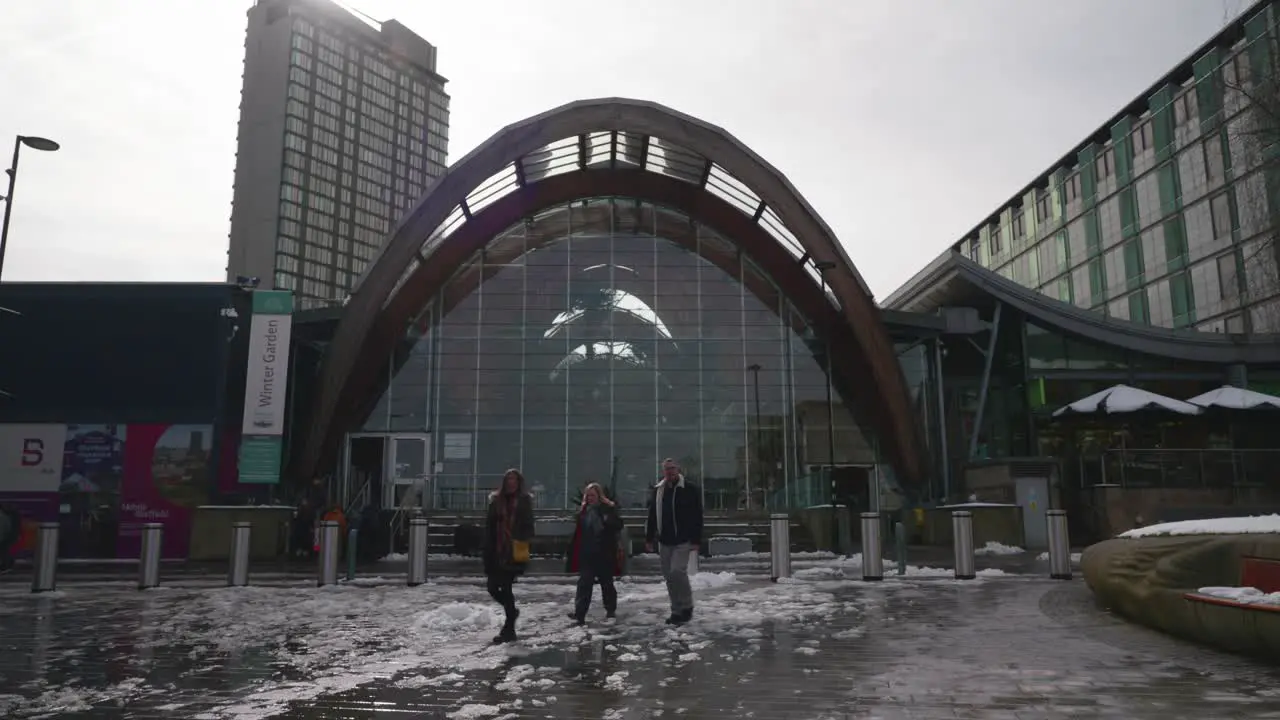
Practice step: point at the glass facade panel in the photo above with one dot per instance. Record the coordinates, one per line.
(602, 337)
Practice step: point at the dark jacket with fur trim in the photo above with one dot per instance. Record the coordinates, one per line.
(681, 503)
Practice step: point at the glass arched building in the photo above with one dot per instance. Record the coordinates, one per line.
(596, 289)
(601, 337)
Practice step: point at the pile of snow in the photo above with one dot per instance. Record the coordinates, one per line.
(1242, 595)
(712, 580)
(474, 711)
(994, 548)
(850, 568)
(1044, 557)
(404, 557)
(1255, 525)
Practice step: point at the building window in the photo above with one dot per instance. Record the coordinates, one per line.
(1071, 187)
(287, 263)
(1105, 163)
(1138, 307)
(1182, 108)
(300, 59)
(1180, 295)
(1017, 233)
(291, 193)
(1236, 70)
(1221, 208)
(1228, 272)
(1143, 138)
(1043, 206)
(995, 240)
(1215, 168)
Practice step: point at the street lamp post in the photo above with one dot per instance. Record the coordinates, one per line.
(823, 266)
(755, 371)
(35, 143)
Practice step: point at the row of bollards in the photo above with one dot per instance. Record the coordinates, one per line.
(44, 579)
(873, 549)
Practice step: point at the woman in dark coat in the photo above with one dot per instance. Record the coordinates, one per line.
(509, 520)
(593, 553)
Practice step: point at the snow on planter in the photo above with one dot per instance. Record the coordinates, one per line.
(1242, 595)
(1255, 525)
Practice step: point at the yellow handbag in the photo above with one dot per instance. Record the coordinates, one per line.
(519, 551)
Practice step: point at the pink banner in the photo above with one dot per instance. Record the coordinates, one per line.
(166, 476)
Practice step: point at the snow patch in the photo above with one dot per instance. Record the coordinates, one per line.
(1044, 557)
(1257, 524)
(474, 711)
(994, 548)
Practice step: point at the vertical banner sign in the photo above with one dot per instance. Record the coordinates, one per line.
(265, 384)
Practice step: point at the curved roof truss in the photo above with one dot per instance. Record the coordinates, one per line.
(611, 147)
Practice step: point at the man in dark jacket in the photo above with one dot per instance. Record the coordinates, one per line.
(675, 524)
(593, 553)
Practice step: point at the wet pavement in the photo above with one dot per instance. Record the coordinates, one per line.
(919, 646)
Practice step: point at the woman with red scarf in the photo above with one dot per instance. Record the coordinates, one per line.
(593, 554)
(509, 523)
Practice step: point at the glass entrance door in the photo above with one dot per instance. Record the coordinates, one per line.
(408, 471)
(364, 465)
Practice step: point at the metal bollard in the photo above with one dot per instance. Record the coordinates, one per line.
(353, 539)
(1059, 545)
(149, 558)
(872, 547)
(417, 551)
(46, 570)
(238, 572)
(962, 538)
(328, 557)
(695, 563)
(900, 546)
(780, 545)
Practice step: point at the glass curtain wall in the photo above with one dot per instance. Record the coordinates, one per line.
(599, 338)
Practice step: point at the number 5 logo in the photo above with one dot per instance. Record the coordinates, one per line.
(32, 452)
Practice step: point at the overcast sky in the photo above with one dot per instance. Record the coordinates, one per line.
(903, 123)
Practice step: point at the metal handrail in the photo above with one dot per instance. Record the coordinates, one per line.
(361, 494)
(1179, 467)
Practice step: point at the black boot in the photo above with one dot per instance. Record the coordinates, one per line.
(508, 632)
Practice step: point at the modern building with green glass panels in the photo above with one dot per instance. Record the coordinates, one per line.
(1145, 256)
(1165, 215)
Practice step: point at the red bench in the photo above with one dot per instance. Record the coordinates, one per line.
(1255, 572)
